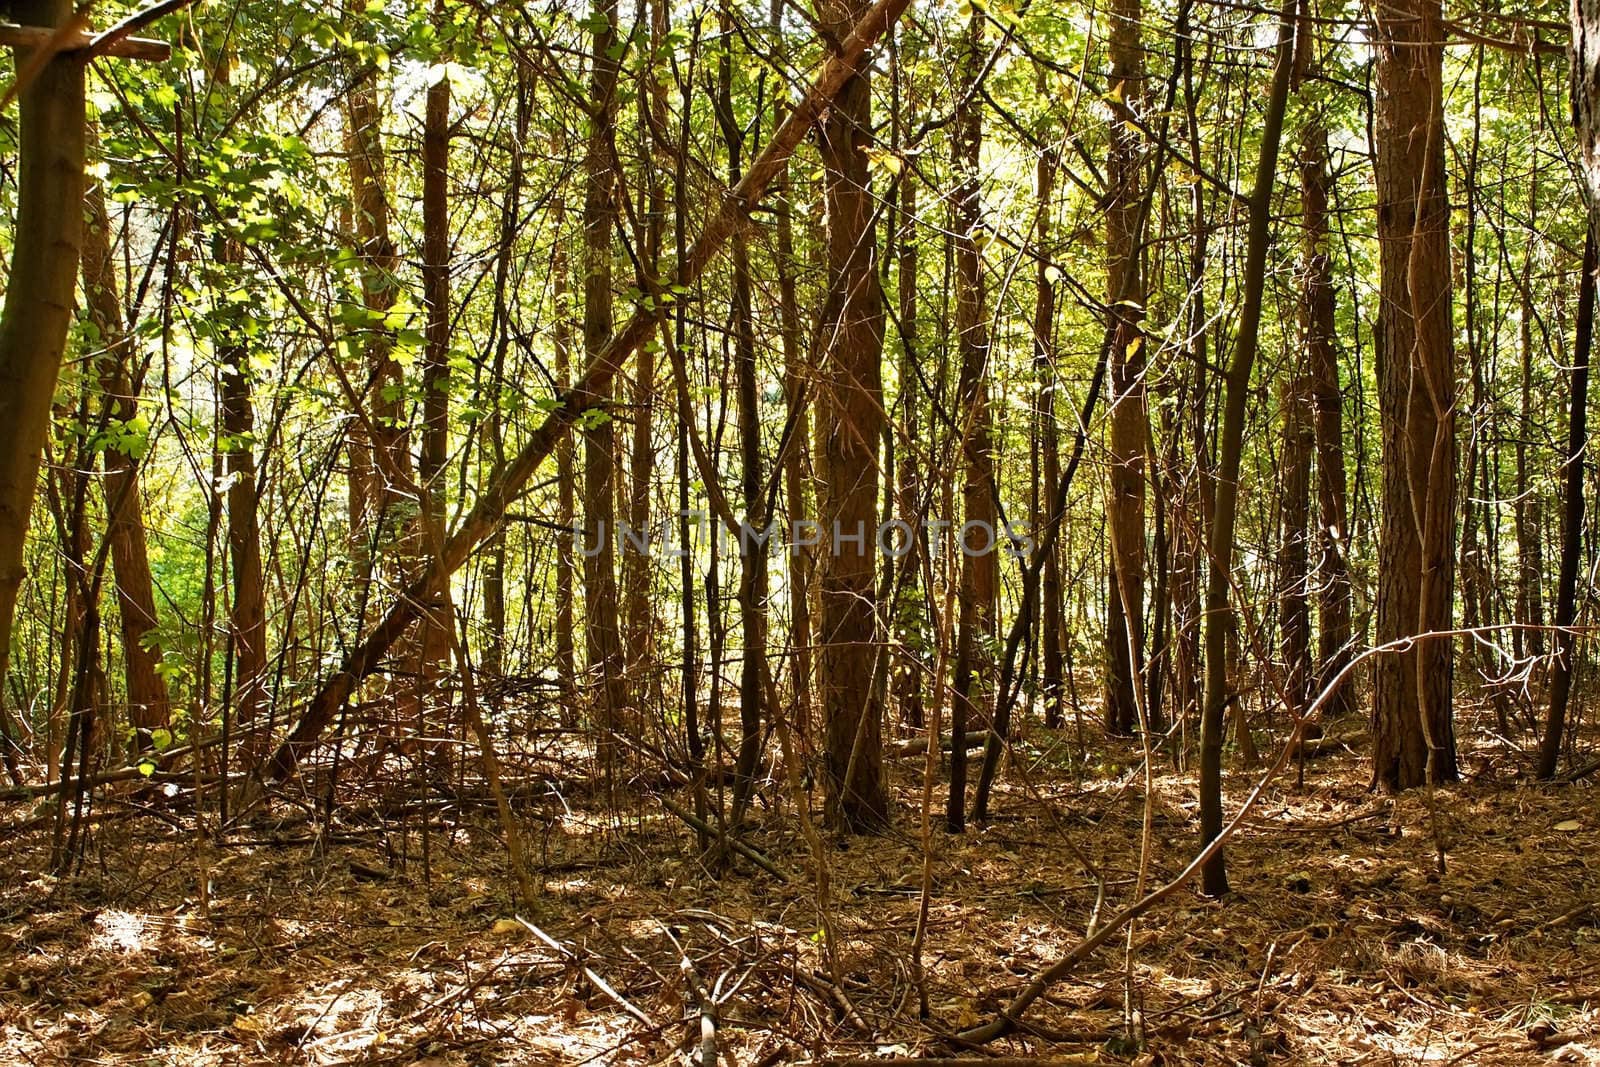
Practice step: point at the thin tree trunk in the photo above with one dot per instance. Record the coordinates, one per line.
(566, 479)
(437, 632)
(1125, 293)
(1529, 501)
(980, 570)
(602, 639)
(1219, 610)
(752, 551)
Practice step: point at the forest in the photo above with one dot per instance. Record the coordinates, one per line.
(761, 532)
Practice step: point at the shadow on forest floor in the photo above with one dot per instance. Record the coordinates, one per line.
(1340, 944)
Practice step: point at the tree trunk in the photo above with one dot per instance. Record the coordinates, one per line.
(1529, 501)
(1572, 515)
(1412, 724)
(1129, 429)
(752, 552)
(1322, 364)
(796, 377)
(437, 632)
(849, 344)
(566, 480)
(1236, 389)
(602, 639)
(1294, 572)
(148, 702)
(39, 291)
(980, 570)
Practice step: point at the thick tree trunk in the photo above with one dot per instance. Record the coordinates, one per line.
(1125, 292)
(148, 702)
(1412, 724)
(39, 292)
(849, 345)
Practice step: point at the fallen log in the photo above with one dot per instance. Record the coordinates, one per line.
(488, 513)
(919, 745)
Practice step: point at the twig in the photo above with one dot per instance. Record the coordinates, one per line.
(589, 972)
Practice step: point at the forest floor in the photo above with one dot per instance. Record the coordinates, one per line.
(1341, 943)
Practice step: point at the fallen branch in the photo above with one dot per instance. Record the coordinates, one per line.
(740, 847)
(919, 745)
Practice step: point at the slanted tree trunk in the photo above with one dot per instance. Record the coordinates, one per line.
(602, 637)
(1125, 293)
(148, 702)
(980, 565)
(1585, 74)
(849, 345)
(1412, 722)
(1225, 505)
(39, 292)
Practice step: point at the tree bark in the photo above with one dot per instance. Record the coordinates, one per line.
(602, 638)
(148, 700)
(1572, 517)
(39, 291)
(980, 570)
(438, 631)
(1327, 402)
(1125, 293)
(1412, 724)
(849, 345)
(1236, 390)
